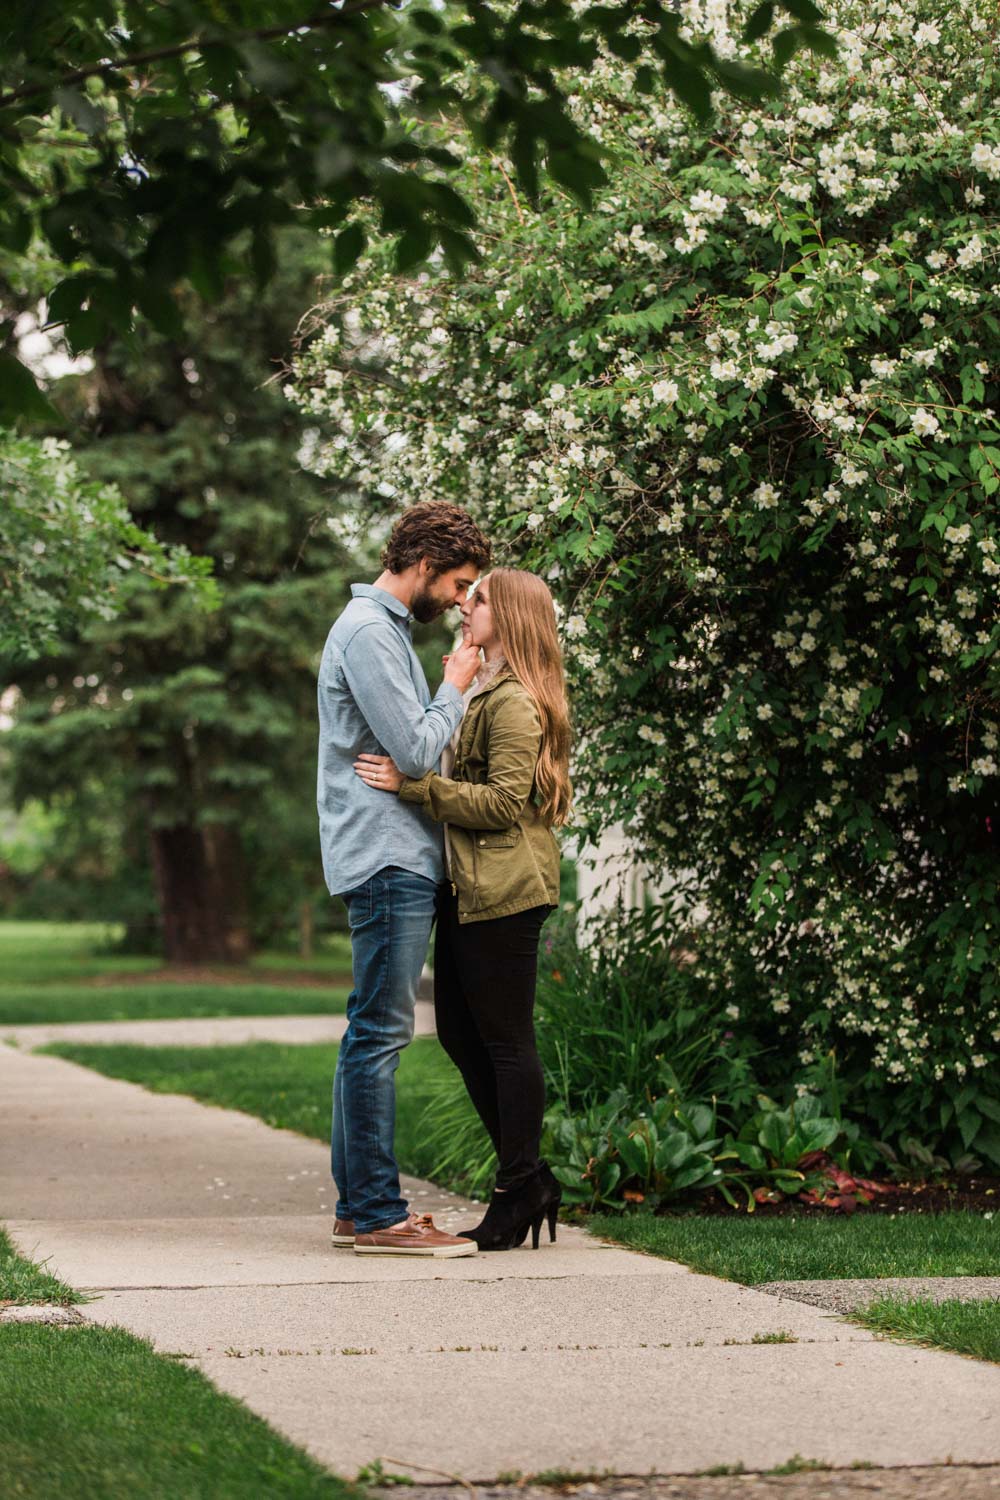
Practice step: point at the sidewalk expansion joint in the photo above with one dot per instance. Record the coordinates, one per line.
(235, 1286)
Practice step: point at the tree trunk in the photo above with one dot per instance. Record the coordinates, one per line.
(201, 888)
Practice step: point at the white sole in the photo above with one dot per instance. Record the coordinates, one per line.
(341, 1242)
(446, 1253)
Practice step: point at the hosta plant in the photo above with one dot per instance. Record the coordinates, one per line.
(605, 1159)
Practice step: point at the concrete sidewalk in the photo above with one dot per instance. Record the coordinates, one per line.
(199, 1031)
(208, 1232)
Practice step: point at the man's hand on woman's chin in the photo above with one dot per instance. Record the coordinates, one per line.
(462, 665)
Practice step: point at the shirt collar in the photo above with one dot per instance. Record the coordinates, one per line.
(381, 596)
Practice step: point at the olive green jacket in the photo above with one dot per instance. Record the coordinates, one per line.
(504, 859)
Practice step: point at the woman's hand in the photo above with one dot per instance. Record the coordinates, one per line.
(380, 772)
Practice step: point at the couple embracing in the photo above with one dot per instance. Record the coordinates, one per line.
(442, 808)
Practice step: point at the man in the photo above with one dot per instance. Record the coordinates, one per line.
(384, 856)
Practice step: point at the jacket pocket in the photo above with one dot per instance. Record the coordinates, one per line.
(497, 840)
(497, 865)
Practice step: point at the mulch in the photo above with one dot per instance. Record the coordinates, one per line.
(979, 1193)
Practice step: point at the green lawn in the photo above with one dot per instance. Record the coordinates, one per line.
(287, 1087)
(52, 972)
(62, 952)
(964, 1327)
(94, 1413)
(21, 1280)
(23, 1006)
(754, 1250)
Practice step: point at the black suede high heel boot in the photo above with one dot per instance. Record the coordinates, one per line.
(552, 1195)
(513, 1212)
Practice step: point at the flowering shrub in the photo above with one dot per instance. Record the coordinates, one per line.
(742, 417)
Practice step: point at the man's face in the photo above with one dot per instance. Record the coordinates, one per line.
(437, 592)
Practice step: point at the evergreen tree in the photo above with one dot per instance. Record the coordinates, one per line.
(203, 718)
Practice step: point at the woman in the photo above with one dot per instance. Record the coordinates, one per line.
(509, 787)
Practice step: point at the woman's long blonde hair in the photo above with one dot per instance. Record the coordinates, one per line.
(524, 618)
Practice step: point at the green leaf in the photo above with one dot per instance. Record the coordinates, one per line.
(413, 246)
(85, 329)
(760, 22)
(524, 154)
(743, 81)
(634, 1152)
(19, 394)
(459, 249)
(573, 170)
(786, 44)
(818, 41)
(690, 86)
(627, 47)
(205, 272)
(988, 1143)
(347, 247)
(802, 10)
(751, 1155)
(15, 230)
(427, 22)
(698, 1172)
(156, 303)
(68, 297)
(969, 1122)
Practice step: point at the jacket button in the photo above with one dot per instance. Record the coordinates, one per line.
(482, 842)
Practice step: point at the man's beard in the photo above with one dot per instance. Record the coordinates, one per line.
(425, 606)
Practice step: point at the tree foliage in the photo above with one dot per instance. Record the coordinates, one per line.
(743, 417)
(150, 145)
(70, 550)
(200, 725)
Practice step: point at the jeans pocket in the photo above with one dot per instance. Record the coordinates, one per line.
(359, 903)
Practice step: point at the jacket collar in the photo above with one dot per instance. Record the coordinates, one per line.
(501, 676)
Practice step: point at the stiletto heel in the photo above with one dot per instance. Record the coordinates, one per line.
(513, 1212)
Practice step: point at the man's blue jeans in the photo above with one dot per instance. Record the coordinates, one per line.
(390, 918)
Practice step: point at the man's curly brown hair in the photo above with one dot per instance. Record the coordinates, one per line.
(443, 533)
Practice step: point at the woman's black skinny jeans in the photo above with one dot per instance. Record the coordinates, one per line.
(484, 1000)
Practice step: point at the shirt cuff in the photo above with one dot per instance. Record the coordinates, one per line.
(450, 692)
(415, 790)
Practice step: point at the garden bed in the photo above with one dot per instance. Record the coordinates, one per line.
(978, 1194)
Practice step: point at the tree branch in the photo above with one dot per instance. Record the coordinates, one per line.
(193, 44)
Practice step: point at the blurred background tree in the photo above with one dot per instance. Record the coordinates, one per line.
(197, 729)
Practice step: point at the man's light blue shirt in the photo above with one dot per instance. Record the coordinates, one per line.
(374, 698)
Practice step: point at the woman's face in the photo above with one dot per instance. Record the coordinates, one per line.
(477, 618)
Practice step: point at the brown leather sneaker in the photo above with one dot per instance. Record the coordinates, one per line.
(343, 1233)
(416, 1236)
